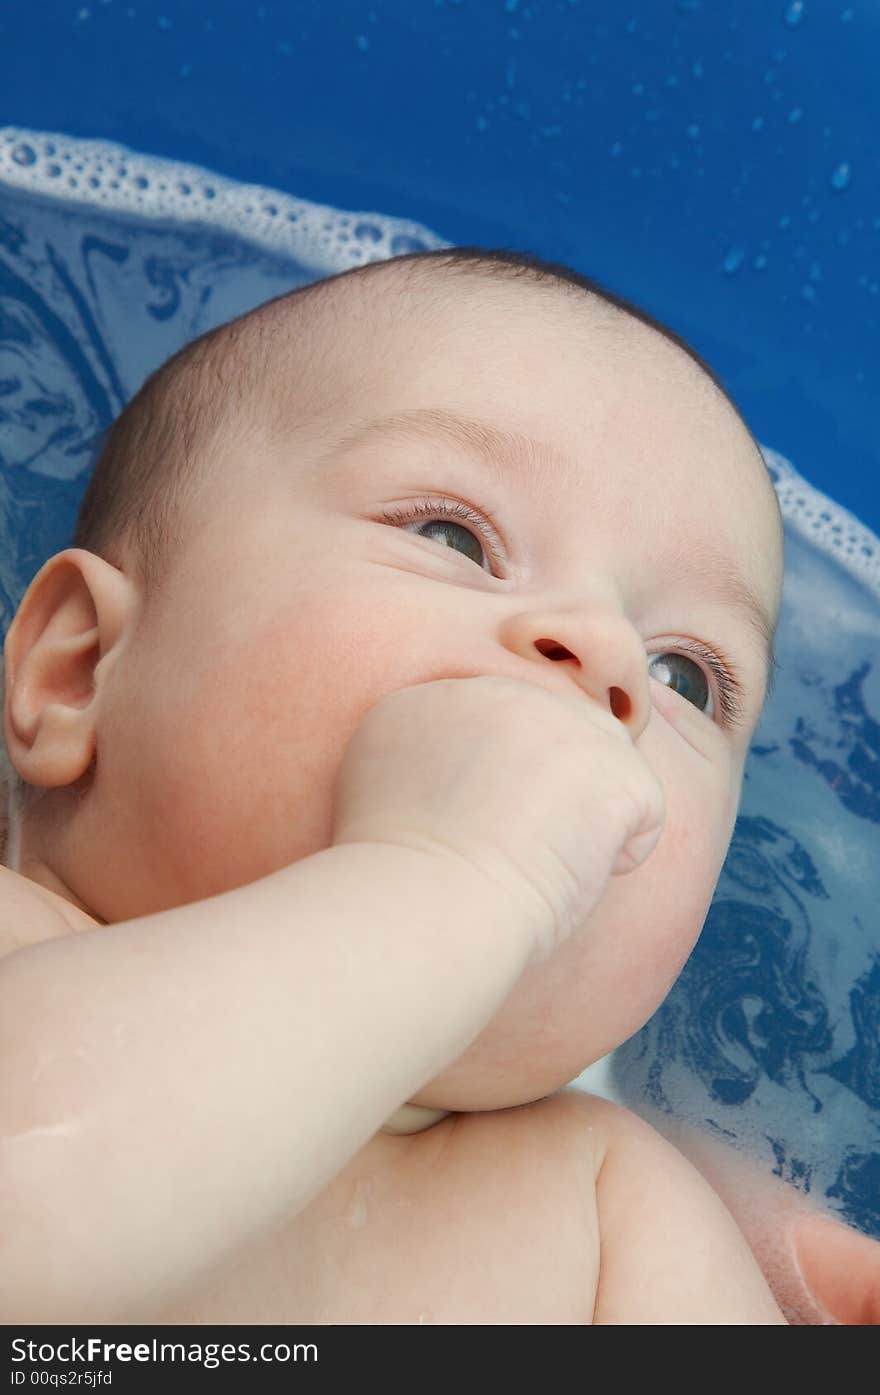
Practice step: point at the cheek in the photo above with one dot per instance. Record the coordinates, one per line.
(613, 974)
(649, 921)
(662, 906)
(267, 716)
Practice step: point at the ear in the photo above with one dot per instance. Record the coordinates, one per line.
(65, 632)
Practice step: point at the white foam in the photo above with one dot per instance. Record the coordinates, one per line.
(112, 177)
(827, 525)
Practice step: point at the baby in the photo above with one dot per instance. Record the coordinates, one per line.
(378, 746)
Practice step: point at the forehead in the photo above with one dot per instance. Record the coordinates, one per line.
(596, 417)
(596, 386)
(533, 348)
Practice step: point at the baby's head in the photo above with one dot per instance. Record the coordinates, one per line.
(182, 683)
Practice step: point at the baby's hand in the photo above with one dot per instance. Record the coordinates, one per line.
(543, 794)
(820, 1270)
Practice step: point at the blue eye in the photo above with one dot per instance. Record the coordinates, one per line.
(729, 690)
(443, 512)
(683, 675)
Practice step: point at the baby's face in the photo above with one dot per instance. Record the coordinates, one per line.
(298, 606)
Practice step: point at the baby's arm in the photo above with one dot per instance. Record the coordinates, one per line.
(174, 1085)
(670, 1252)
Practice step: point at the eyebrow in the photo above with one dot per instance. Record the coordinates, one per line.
(498, 449)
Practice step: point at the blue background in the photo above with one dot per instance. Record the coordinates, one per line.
(717, 163)
(686, 153)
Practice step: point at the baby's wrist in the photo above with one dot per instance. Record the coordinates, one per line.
(514, 926)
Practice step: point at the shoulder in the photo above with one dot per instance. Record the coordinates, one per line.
(28, 913)
(670, 1250)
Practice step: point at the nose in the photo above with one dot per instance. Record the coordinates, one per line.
(602, 650)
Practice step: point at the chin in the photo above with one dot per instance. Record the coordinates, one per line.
(478, 1099)
(466, 1089)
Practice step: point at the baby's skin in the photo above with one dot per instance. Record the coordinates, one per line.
(308, 1079)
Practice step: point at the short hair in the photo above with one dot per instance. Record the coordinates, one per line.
(155, 455)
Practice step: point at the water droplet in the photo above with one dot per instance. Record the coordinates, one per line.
(847, 15)
(362, 42)
(698, 70)
(808, 292)
(734, 260)
(795, 115)
(841, 176)
(358, 1211)
(758, 123)
(693, 131)
(794, 13)
(760, 262)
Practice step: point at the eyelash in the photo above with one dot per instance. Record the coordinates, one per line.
(729, 687)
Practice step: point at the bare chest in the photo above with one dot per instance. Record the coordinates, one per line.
(439, 1238)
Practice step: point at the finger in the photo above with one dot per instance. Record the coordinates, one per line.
(841, 1268)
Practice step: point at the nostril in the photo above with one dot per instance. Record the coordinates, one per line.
(551, 650)
(620, 704)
